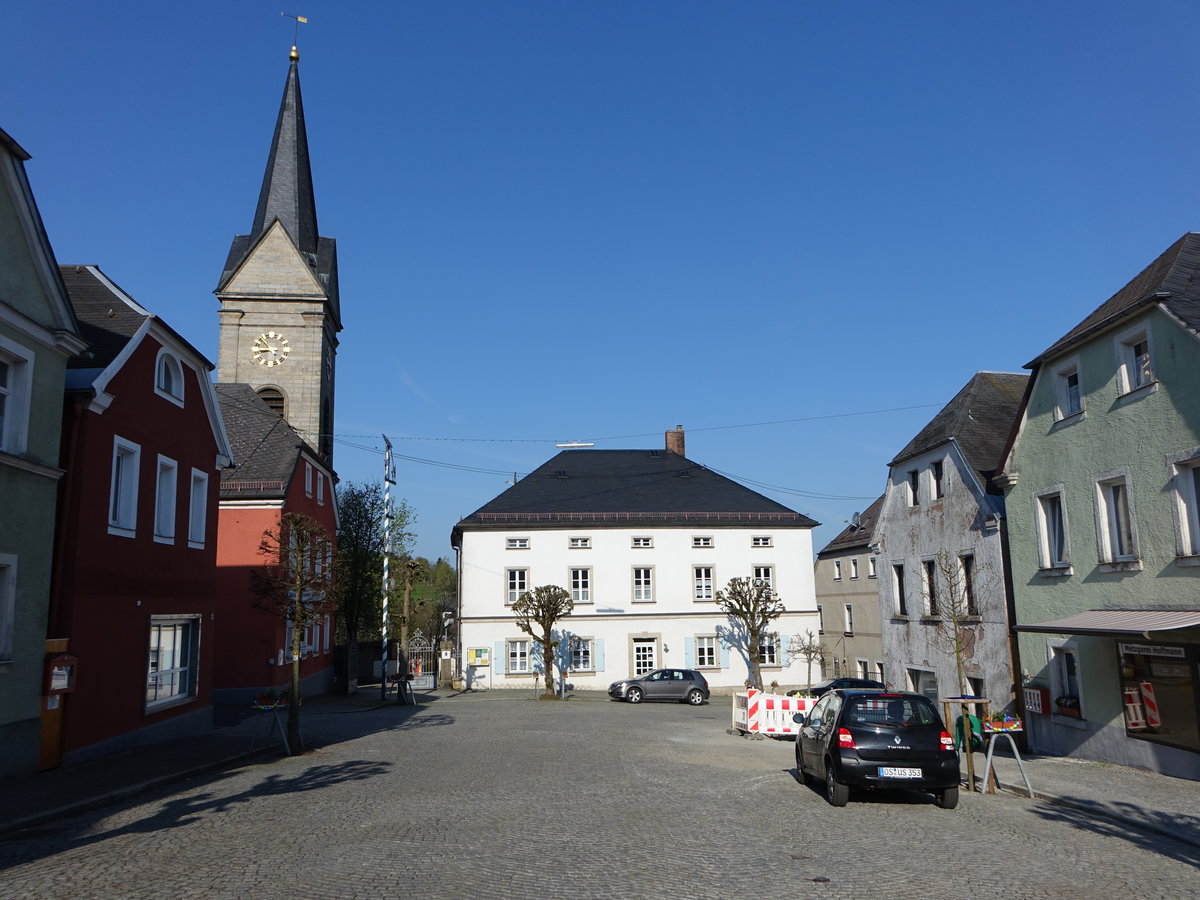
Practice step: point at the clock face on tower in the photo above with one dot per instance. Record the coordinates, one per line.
(270, 349)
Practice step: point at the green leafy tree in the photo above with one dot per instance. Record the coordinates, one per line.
(295, 584)
(751, 604)
(359, 567)
(542, 608)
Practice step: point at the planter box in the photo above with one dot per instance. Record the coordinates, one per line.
(1068, 711)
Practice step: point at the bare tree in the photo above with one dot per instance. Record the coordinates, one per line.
(295, 583)
(543, 607)
(808, 646)
(750, 603)
(952, 598)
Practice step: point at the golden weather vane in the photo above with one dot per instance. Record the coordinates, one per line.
(296, 31)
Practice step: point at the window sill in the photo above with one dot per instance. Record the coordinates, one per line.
(1067, 421)
(1128, 565)
(1137, 393)
(1056, 572)
(122, 532)
(163, 705)
(847, 634)
(1187, 561)
(931, 620)
(900, 617)
(1068, 721)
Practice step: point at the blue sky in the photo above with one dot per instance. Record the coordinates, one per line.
(573, 220)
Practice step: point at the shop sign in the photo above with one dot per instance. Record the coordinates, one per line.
(1154, 650)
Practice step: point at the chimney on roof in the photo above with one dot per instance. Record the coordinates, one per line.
(675, 441)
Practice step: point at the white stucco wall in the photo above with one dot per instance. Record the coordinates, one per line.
(612, 619)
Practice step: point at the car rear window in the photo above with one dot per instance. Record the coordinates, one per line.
(891, 711)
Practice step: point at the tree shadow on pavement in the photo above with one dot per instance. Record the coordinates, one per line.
(175, 811)
(1156, 841)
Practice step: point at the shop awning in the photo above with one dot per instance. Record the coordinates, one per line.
(1118, 621)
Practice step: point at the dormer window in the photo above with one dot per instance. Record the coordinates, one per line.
(168, 378)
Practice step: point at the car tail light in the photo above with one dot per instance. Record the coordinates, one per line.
(947, 741)
(846, 740)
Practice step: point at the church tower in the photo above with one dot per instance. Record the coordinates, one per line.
(280, 314)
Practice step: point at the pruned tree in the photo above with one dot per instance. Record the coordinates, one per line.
(295, 584)
(952, 601)
(542, 608)
(808, 647)
(750, 603)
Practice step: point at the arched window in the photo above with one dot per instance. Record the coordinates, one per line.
(274, 398)
(168, 376)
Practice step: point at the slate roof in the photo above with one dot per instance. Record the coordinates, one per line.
(979, 419)
(108, 317)
(623, 487)
(856, 536)
(264, 445)
(287, 195)
(1172, 280)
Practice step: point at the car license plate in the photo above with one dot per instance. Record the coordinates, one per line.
(893, 772)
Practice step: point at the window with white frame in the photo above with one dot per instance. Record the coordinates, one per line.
(864, 668)
(837, 570)
(166, 490)
(518, 584)
(171, 668)
(899, 589)
(1185, 491)
(853, 568)
(706, 651)
(929, 586)
(935, 472)
(820, 619)
(643, 584)
(518, 656)
(168, 378)
(1064, 675)
(1115, 529)
(761, 541)
(123, 490)
(879, 672)
(16, 386)
(768, 649)
(8, 604)
(581, 585)
(702, 541)
(308, 479)
(582, 659)
(198, 509)
(321, 488)
(702, 579)
(1136, 368)
(1051, 524)
(580, 543)
(642, 543)
(516, 543)
(848, 618)
(871, 573)
(764, 575)
(1068, 397)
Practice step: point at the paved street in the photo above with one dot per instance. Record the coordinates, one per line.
(494, 795)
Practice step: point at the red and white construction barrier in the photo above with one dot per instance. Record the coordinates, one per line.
(1153, 719)
(1134, 717)
(759, 713)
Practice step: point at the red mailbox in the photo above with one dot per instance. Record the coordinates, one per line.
(59, 677)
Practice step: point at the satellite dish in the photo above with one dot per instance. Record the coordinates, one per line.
(856, 521)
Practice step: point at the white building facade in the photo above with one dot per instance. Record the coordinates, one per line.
(643, 579)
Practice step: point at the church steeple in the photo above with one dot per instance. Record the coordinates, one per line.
(287, 188)
(280, 310)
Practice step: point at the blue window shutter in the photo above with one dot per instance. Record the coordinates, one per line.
(724, 656)
(784, 658)
(501, 659)
(599, 654)
(689, 652)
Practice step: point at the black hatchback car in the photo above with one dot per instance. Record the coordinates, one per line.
(830, 683)
(684, 685)
(877, 740)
